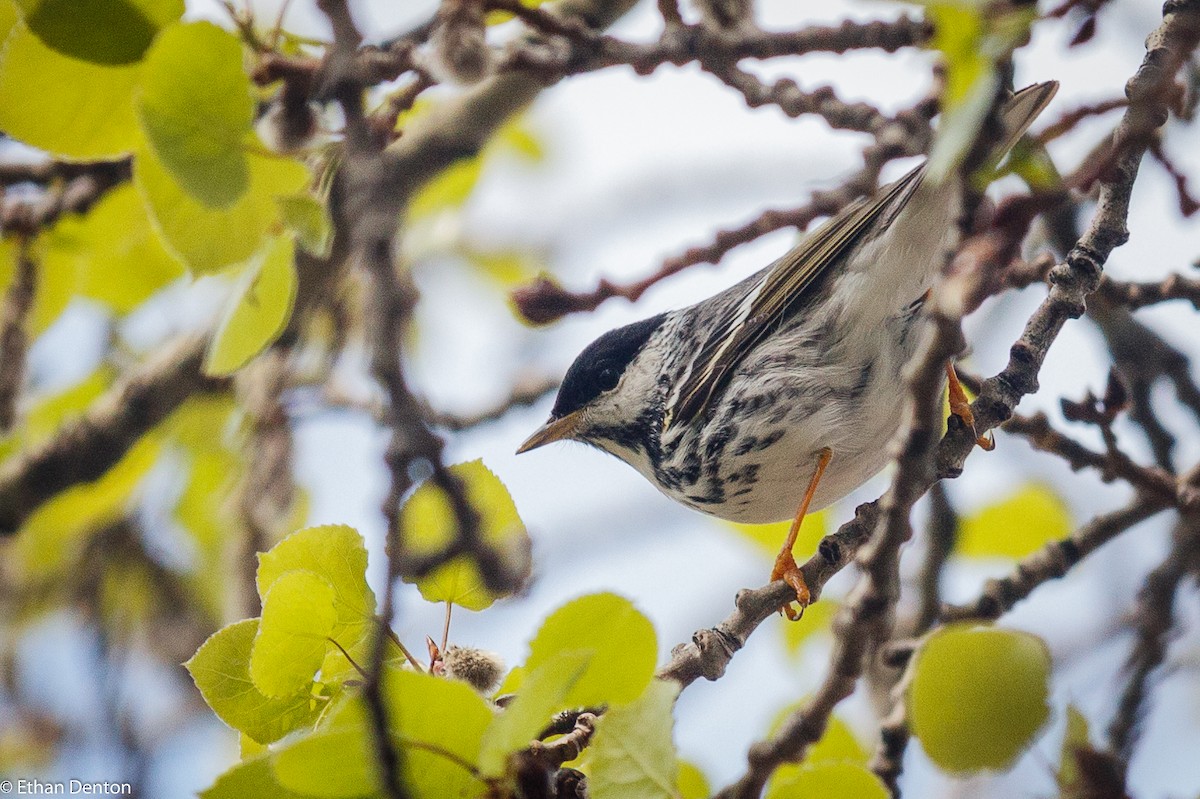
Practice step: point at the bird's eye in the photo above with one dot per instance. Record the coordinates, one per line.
(607, 377)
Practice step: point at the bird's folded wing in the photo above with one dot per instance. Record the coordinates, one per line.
(779, 296)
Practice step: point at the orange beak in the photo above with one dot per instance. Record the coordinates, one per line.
(553, 430)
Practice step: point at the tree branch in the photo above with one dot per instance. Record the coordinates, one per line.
(85, 449)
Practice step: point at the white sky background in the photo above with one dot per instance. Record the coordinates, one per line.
(637, 170)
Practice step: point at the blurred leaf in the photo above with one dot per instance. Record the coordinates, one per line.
(309, 219)
(453, 187)
(449, 190)
(1030, 161)
(512, 681)
(818, 620)
(542, 693)
(111, 32)
(978, 697)
(507, 267)
(497, 17)
(297, 619)
(250, 778)
(122, 260)
(828, 781)
(258, 313)
(69, 108)
(221, 671)
(770, 537)
(1075, 737)
(55, 256)
(971, 37)
(632, 754)
(838, 745)
(336, 553)
(128, 594)
(517, 136)
(49, 413)
(196, 109)
(428, 524)
(692, 784)
(1016, 526)
(621, 639)
(8, 19)
(210, 239)
(54, 535)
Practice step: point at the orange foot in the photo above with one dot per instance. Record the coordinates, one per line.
(787, 570)
(960, 406)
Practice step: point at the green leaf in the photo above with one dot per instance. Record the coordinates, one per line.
(1075, 737)
(337, 554)
(111, 32)
(69, 108)
(122, 262)
(335, 760)
(309, 219)
(438, 723)
(978, 696)
(258, 312)
(221, 671)
(250, 778)
(210, 239)
(828, 781)
(196, 109)
(632, 755)
(297, 618)
(692, 784)
(543, 693)
(419, 706)
(621, 639)
(1016, 526)
(428, 524)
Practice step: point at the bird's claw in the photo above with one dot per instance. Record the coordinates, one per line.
(960, 406)
(787, 570)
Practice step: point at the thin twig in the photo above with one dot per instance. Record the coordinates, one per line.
(1053, 561)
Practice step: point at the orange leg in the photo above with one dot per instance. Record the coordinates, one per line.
(960, 406)
(785, 563)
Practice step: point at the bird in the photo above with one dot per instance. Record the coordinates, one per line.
(778, 395)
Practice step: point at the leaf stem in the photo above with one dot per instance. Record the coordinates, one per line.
(446, 625)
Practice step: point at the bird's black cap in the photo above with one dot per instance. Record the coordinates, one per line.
(600, 366)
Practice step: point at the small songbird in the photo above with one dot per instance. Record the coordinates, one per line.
(792, 376)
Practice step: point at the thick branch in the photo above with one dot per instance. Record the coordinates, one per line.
(85, 449)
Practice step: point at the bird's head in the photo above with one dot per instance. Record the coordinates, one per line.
(611, 393)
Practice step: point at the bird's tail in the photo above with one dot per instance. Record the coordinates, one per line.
(1019, 113)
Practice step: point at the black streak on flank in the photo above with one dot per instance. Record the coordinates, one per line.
(600, 366)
